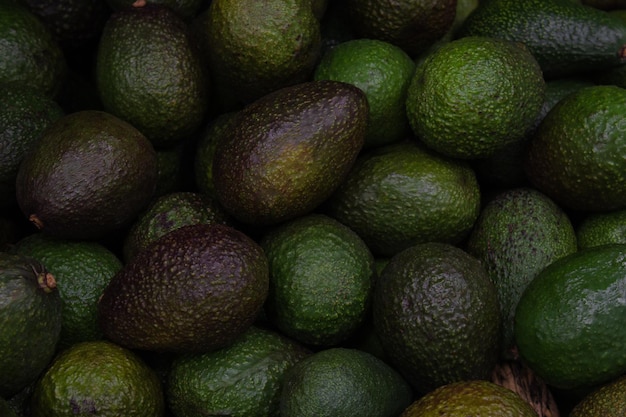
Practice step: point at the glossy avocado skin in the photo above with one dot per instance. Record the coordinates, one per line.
(566, 38)
(193, 290)
(289, 150)
(30, 321)
(569, 322)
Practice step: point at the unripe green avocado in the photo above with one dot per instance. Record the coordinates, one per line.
(569, 322)
(30, 321)
(566, 38)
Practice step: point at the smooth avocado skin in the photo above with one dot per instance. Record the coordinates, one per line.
(88, 175)
(30, 321)
(195, 289)
(566, 38)
(569, 322)
(289, 151)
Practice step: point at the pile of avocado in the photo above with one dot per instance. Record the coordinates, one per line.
(293, 208)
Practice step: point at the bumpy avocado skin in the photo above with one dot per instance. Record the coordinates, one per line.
(289, 151)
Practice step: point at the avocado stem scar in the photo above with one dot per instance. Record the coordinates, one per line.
(34, 219)
(46, 281)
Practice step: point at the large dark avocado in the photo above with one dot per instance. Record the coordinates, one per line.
(436, 313)
(89, 174)
(289, 151)
(30, 321)
(194, 289)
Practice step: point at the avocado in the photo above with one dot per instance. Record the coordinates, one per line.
(518, 233)
(413, 25)
(30, 53)
(470, 398)
(437, 315)
(194, 289)
(24, 113)
(607, 400)
(577, 155)
(343, 382)
(474, 95)
(244, 378)
(169, 212)
(402, 194)
(254, 48)
(165, 92)
(289, 150)
(321, 279)
(89, 174)
(569, 322)
(565, 37)
(30, 321)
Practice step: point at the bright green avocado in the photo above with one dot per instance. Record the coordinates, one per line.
(569, 322)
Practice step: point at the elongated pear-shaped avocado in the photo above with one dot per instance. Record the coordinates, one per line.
(194, 289)
(565, 37)
(289, 150)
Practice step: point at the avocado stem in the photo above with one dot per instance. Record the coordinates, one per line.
(34, 219)
(46, 281)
